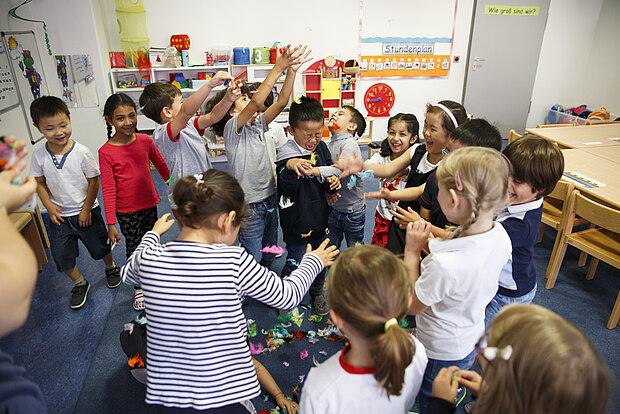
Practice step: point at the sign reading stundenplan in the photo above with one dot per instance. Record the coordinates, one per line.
(408, 48)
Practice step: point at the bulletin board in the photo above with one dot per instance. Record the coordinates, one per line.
(27, 71)
(8, 92)
(406, 38)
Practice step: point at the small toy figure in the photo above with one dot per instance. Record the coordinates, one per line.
(30, 73)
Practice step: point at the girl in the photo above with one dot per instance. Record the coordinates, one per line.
(440, 120)
(129, 194)
(197, 337)
(402, 133)
(536, 362)
(381, 369)
(459, 277)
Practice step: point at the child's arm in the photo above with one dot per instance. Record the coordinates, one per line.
(267, 382)
(158, 161)
(192, 104)
(355, 164)
(108, 191)
(417, 236)
(44, 195)
(219, 110)
(405, 194)
(402, 217)
(84, 218)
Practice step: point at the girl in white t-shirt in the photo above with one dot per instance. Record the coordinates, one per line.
(381, 369)
(456, 281)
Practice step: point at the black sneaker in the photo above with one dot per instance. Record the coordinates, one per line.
(78, 295)
(321, 305)
(113, 277)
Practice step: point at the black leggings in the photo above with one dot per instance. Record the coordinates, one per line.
(134, 226)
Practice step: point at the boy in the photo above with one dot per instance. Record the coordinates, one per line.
(179, 133)
(243, 128)
(348, 216)
(537, 166)
(67, 179)
(303, 207)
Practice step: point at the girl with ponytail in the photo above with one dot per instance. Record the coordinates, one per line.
(381, 369)
(460, 276)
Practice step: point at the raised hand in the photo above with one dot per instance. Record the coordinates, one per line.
(325, 253)
(162, 224)
(383, 193)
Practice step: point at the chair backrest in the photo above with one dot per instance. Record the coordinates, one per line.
(596, 213)
(561, 191)
(513, 136)
(555, 125)
(603, 123)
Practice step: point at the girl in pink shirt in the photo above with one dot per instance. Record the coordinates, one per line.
(129, 194)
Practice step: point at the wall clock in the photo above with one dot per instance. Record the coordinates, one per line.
(379, 99)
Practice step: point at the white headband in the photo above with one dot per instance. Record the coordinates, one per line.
(446, 110)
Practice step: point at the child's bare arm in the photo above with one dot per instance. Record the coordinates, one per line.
(392, 168)
(267, 382)
(405, 194)
(417, 236)
(192, 104)
(232, 94)
(44, 195)
(84, 218)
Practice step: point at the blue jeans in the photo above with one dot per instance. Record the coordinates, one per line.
(433, 368)
(349, 224)
(499, 301)
(260, 229)
(294, 254)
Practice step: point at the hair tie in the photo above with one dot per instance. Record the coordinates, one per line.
(199, 179)
(446, 110)
(389, 323)
(457, 181)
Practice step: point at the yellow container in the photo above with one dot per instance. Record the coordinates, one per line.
(136, 52)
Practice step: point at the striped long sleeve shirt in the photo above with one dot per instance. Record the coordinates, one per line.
(197, 352)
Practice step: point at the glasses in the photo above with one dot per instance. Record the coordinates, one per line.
(491, 352)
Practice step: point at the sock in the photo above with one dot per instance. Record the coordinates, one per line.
(80, 282)
(111, 267)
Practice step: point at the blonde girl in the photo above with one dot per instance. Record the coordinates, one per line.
(535, 362)
(455, 282)
(381, 369)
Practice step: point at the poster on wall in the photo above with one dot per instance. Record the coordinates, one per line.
(65, 77)
(412, 38)
(8, 92)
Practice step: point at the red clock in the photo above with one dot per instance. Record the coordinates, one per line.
(379, 99)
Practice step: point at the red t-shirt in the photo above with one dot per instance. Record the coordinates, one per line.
(126, 181)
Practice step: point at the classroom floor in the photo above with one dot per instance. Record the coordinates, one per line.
(76, 358)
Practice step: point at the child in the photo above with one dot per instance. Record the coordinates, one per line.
(129, 194)
(193, 288)
(473, 133)
(459, 277)
(537, 362)
(348, 216)
(537, 165)
(243, 128)
(67, 183)
(381, 369)
(179, 133)
(303, 207)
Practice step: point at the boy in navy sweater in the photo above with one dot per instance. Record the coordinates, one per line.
(537, 164)
(304, 175)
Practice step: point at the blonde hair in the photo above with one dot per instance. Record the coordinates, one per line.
(478, 174)
(554, 368)
(367, 286)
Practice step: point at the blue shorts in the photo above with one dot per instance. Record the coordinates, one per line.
(64, 240)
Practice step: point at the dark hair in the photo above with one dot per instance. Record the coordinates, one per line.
(218, 127)
(47, 106)
(305, 109)
(358, 119)
(537, 162)
(413, 127)
(457, 110)
(253, 87)
(113, 102)
(155, 97)
(478, 132)
(199, 201)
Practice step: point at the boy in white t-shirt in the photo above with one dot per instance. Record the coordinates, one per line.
(67, 178)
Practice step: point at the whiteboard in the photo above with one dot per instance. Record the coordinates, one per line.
(8, 92)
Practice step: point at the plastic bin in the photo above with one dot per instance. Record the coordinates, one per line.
(556, 117)
(136, 52)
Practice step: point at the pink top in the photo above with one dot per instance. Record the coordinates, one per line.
(126, 181)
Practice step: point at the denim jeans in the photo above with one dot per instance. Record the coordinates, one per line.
(433, 368)
(499, 301)
(260, 229)
(294, 254)
(351, 225)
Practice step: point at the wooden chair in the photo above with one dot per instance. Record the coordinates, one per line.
(601, 242)
(24, 222)
(555, 125)
(513, 136)
(603, 123)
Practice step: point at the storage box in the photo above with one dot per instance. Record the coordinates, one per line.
(197, 83)
(556, 117)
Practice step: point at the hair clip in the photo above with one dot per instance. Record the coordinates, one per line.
(254, 91)
(457, 181)
(199, 179)
(141, 108)
(492, 352)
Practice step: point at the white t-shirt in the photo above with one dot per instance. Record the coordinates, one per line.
(275, 138)
(66, 175)
(457, 281)
(337, 387)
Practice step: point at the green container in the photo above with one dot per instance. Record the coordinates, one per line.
(260, 55)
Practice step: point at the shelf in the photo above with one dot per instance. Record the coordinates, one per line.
(120, 70)
(117, 89)
(191, 68)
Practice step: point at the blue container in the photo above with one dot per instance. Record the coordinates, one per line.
(241, 55)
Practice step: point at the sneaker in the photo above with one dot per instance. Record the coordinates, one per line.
(138, 300)
(78, 295)
(321, 306)
(113, 277)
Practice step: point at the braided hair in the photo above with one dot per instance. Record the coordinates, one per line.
(113, 102)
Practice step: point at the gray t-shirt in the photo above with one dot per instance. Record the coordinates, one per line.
(351, 199)
(248, 158)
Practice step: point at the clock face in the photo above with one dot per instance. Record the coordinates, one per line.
(379, 99)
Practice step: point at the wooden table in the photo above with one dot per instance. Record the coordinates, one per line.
(598, 168)
(24, 222)
(608, 152)
(582, 136)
